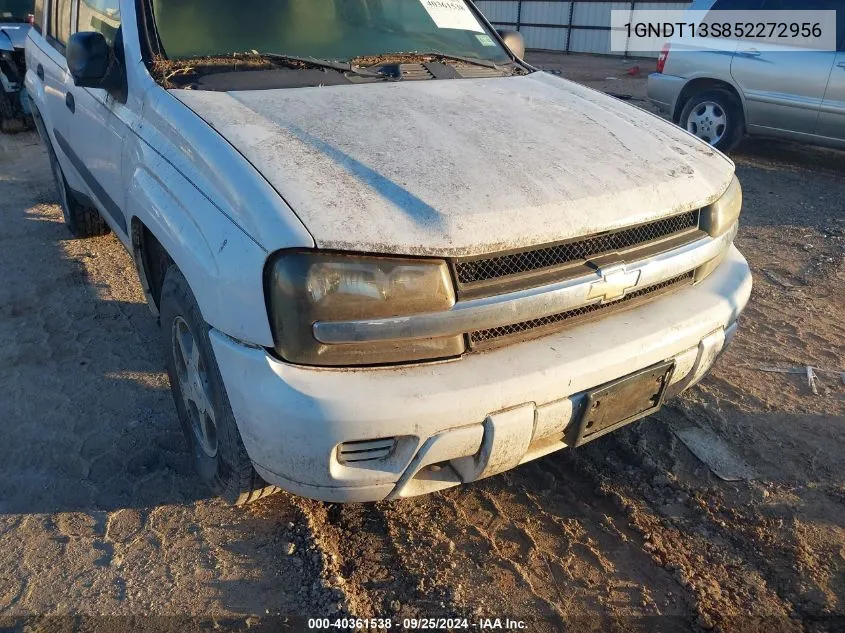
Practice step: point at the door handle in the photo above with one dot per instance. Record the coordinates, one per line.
(751, 52)
(70, 102)
(841, 64)
(39, 70)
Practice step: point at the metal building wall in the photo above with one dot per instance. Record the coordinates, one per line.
(580, 26)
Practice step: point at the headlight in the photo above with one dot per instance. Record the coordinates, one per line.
(306, 287)
(722, 214)
(718, 219)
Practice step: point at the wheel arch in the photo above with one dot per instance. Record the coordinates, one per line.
(701, 84)
(222, 265)
(151, 260)
(38, 119)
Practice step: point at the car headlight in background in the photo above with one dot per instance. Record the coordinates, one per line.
(719, 218)
(306, 287)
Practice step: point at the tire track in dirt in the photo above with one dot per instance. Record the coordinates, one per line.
(603, 561)
(501, 554)
(373, 558)
(721, 557)
(604, 567)
(504, 552)
(512, 542)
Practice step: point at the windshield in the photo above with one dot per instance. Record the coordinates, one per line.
(16, 9)
(327, 29)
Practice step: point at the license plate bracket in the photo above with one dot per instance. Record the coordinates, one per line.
(615, 404)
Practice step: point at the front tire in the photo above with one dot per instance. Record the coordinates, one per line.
(714, 116)
(81, 221)
(203, 407)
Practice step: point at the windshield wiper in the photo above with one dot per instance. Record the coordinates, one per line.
(373, 60)
(344, 67)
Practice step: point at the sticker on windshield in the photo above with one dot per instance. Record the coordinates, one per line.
(452, 14)
(485, 39)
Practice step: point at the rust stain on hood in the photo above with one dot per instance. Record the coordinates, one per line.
(463, 167)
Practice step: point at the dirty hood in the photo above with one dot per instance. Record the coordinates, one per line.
(463, 167)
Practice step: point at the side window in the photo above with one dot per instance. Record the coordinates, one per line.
(38, 15)
(58, 28)
(102, 16)
(814, 5)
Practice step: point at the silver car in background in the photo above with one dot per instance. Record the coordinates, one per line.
(790, 93)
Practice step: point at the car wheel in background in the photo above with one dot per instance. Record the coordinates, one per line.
(714, 116)
(201, 401)
(81, 220)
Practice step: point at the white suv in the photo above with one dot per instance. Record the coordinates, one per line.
(387, 256)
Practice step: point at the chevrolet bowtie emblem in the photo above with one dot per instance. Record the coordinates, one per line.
(615, 282)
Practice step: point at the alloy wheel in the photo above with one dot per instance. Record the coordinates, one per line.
(193, 385)
(708, 121)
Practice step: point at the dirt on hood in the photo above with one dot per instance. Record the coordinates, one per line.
(464, 167)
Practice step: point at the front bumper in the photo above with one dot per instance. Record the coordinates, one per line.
(462, 420)
(663, 91)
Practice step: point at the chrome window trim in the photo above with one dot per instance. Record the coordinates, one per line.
(523, 305)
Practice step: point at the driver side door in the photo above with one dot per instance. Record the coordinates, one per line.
(54, 79)
(100, 122)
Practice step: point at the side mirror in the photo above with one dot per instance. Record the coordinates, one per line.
(93, 64)
(88, 59)
(515, 42)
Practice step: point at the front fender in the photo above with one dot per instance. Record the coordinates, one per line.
(209, 208)
(222, 264)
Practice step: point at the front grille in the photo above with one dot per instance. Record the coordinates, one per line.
(479, 270)
(557, 321)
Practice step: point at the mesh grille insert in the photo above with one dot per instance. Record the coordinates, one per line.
(475, 271)
(480, 337)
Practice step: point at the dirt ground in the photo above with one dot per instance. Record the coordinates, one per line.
(624, 77)
(101, 517)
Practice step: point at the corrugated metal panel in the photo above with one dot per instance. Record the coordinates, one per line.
(545, 12)
(590, 41)
(556, 14)
(498, 11)
(596, 13)
(544, 38)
